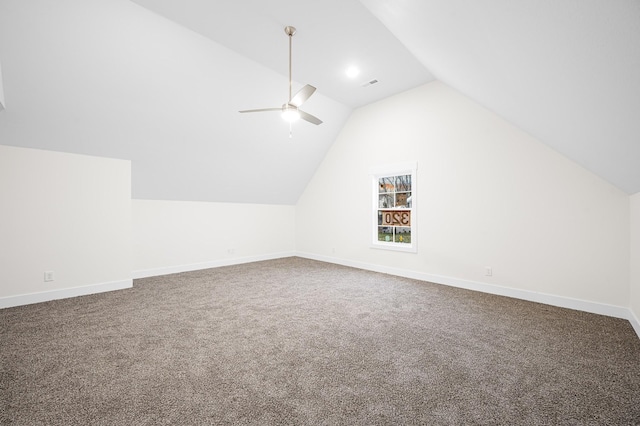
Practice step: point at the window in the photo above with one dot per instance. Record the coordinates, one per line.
(394, 207)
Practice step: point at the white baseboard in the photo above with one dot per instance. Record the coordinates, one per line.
(633, 319)
(144, 273)
(548, 299)
(45, 296)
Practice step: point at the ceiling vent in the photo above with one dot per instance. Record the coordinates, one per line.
(369, 83)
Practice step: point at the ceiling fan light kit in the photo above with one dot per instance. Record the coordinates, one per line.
(290, 113)
(291, 109)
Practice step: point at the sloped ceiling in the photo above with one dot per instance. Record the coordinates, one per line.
(332, 35)
(566, 72)
(110, 78)
(160, 82)
(1, 90)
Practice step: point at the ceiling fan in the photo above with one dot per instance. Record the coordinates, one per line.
(291, 109)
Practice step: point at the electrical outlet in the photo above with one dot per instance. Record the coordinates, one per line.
(488, 271)
(49, 276)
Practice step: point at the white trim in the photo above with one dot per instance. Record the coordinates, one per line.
(382, 245)
(389, 169)
(377, 172)
(548, 299)
(633, 319)
(145, 273)
(63, 293)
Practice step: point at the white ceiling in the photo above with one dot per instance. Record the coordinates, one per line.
(112, 79)
(160, 82)
(566, 72)
(331, 36)
(1, 90)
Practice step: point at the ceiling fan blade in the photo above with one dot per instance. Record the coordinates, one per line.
(262, 109)
(302, 95)
(310, 118)
(290, 108)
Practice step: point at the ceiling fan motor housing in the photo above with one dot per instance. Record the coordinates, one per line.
(291, 110)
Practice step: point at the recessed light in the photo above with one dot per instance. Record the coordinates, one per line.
(352, 71)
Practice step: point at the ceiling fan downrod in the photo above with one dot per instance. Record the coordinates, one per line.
(291, 109)
(290, 31)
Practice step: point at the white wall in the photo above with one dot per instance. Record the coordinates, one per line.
(490, 195)
(66, 213)
(176, 236)
(635, 260)
(73, 215)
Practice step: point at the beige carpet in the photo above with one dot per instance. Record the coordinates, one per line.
(295, 341)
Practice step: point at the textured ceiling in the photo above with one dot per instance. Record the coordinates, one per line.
(160, 82)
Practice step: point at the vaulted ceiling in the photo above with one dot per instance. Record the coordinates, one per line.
(159, 82)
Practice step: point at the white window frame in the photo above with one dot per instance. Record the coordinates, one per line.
(377, 172)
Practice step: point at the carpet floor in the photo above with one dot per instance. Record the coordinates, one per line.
(300, 342)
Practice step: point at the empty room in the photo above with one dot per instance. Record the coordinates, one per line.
(342, 212)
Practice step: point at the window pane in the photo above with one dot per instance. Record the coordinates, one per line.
(385, 233)
(387, 184)
(385, 201)
(402, 199)
(403, 235)
(403, 183)
(394, 218)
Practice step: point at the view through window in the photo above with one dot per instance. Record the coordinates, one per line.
(394, 211)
